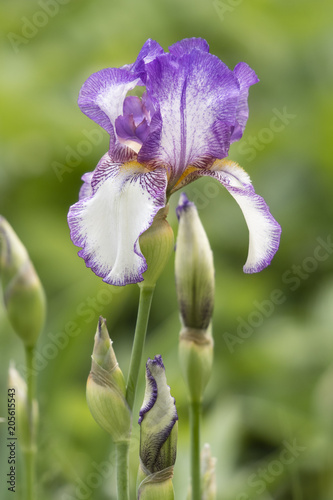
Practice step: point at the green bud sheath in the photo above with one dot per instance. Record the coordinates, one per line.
(196, 360)
(22, 290)
(106, 388)
(158, 436)
(156, 245)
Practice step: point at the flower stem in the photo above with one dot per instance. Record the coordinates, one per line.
(146, 295)
(122, 449)
(30, 451)
(195, 411)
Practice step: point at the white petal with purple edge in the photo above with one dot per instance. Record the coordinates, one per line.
(86, 189)
(264, 231)
(107, 225)
(102, 95)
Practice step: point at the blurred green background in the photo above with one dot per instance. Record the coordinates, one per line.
(272, 384)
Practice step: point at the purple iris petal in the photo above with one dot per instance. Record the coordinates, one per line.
(86, 189)
(246, 77)
(183, 205)
(133, 106)
(193, 109)
(134, 123)
(126, 129)
(197, 97)
(149, 51)
(108, 223)
(158, 417)
(185, 46)
(264, 231)
(101, 96)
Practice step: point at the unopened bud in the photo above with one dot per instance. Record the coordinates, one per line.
(158, 436)
(156, 245)
(208, 476)
(25, 428)
(23, 293)
(106, 388)
(194, 268)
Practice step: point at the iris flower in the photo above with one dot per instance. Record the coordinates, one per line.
(181, 129)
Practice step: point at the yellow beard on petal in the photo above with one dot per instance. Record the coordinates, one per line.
(135, 167)
(182, 179)
(221, 164)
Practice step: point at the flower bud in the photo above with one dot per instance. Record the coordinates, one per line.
(156, 245)
(106, 388)
(194, 270)
(158, 435)
(208, 476)
(24, 429)
(22, 290)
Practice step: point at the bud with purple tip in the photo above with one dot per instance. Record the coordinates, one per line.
(158, 435)
(194, 269)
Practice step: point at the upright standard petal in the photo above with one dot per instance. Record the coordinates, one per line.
(197, 97)
(149, 51)
(186, 45)
(102, 95)
(246, 77)
(107, 225)
(263, 229)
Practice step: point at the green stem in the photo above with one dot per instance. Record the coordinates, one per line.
(30, 450)
(146, 295)
(122, 449)
(195, 411)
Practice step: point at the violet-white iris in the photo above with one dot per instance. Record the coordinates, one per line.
(181, 129)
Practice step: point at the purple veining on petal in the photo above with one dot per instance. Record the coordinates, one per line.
(155, 437)
(149, 51)
(183, 205)
(133, 106)
(127, 130)
(154, 392)
(86, 190)
(197, 96)
(151, 456)
(133, 125)
(194, 108)
(264, 229)
(101, 96)
(246, 77)
(186, 45)
(103, 250)
(156, 361)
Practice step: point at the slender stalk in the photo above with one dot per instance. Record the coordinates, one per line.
(30, 451)
(122, 449)
(146, 295)
(195, 411)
